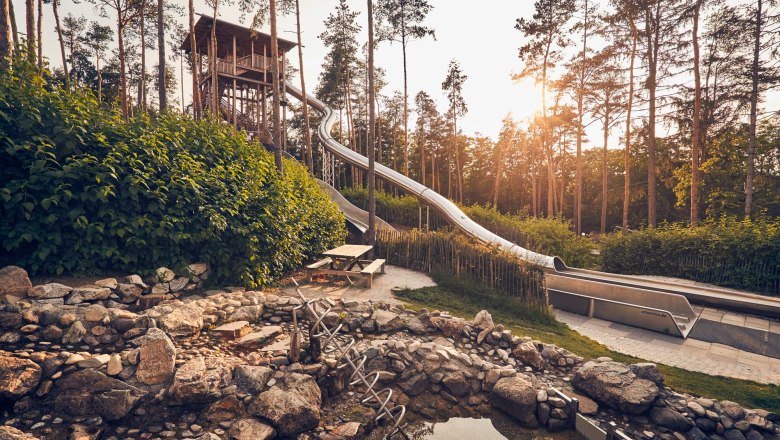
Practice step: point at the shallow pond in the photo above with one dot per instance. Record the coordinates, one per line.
(497, 426)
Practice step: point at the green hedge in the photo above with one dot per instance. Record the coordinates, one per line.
(399, 210)
(743, 254)
(548, 236)
(84, 191)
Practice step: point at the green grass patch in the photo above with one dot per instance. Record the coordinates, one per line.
(453, 297)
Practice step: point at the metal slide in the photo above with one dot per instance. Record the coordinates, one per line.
(353, 214)
(637, 301)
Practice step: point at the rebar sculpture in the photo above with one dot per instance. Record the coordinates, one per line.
(350, 357)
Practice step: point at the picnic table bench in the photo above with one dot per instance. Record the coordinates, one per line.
(342, 260)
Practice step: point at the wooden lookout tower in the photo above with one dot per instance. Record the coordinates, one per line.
(239, 88)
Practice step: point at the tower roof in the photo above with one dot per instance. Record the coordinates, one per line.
(225, 33)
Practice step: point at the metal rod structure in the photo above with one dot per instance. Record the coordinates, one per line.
(350, 357)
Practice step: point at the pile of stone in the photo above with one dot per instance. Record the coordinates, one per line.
(15, 286)
(216, 365)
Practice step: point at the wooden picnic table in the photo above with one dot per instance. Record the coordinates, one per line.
(347, 256)
(343, 259)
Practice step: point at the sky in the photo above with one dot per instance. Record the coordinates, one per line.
(483, 39)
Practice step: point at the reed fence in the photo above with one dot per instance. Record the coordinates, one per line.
(456, 256)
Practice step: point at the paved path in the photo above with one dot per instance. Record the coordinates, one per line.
(383, 285)
(690, 354)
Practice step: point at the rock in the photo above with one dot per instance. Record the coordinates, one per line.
(18, 377)
(258, 338)
(756, 421)
(414, 385)
(197, 269)
(233, 330)
(95, 313)
(74, 334)
(157, 357)
(129, 292)
(48, 291)
(197, 382)
(114, 366)
(164, 275)
(248, 313)
(87, 293)
(615, 385)
(696, 434)
(251, 429)
(250, 378)
(387, 320)
(51, 333)
(110, 283)
(669, 418)
(178, 284)
(11, 433)
(10, 320)
(483, 320)
(450, 327)
(733, 434)
(14, 281)
(516, 396)
(456, 384)
(649, 371)
(346, 431)
(697, 409)
(529, 355)
(587, 406)
(292, 405)
(731, 409)
(160, 289)
(183, 321)
(89, 392)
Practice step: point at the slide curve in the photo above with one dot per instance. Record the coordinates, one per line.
(447, 208)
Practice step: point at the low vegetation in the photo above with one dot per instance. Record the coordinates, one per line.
(465, 300)
(84, 191)
(743, 254)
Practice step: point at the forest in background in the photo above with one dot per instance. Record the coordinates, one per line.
(683, 83)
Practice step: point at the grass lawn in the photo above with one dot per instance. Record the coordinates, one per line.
(514, 315)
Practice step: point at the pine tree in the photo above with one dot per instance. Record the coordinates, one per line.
(453, 86)
(6, 39)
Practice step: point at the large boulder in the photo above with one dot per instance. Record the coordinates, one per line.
(88, 293)
(528, 354)
(456, 383)
(292, 405)
(387, 321)
(74, 334)
(483, 320)
(89, 392)
(516, 396)
(615, 385)
(450, 327)
(183, 321)
(14, 281)
(49, 291)
(251, 378)
(156, 357)
(199, 381)
(18, 377)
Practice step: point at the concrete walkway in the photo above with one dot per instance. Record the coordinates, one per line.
(690, 354)
(382, 290)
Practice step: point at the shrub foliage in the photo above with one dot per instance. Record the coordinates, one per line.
(743, 254)
(84, 191)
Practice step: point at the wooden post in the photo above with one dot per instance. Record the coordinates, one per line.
(284, 94)
(235, 60)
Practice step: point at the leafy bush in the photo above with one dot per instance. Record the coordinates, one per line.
(84, 191)
(743, 254)
(400, 210)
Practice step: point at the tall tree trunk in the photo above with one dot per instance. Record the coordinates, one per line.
(30, 25)
(277, 135)
(751, 159)
(122, 68)
(406, 105)
(652, 30)
(55, 9)
(545, 139)
(629, 107)
(14, 30)
(197, 103)
(497, 178)
(100, 78)
(306, 125)
(580, 97)
(39, 43)
(604, 157)
(696, 117)
(215, 95)
(371, 128)
(6, 40)
(162, 95)
(142, 79)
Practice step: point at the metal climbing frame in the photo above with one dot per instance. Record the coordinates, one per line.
(350, 357)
